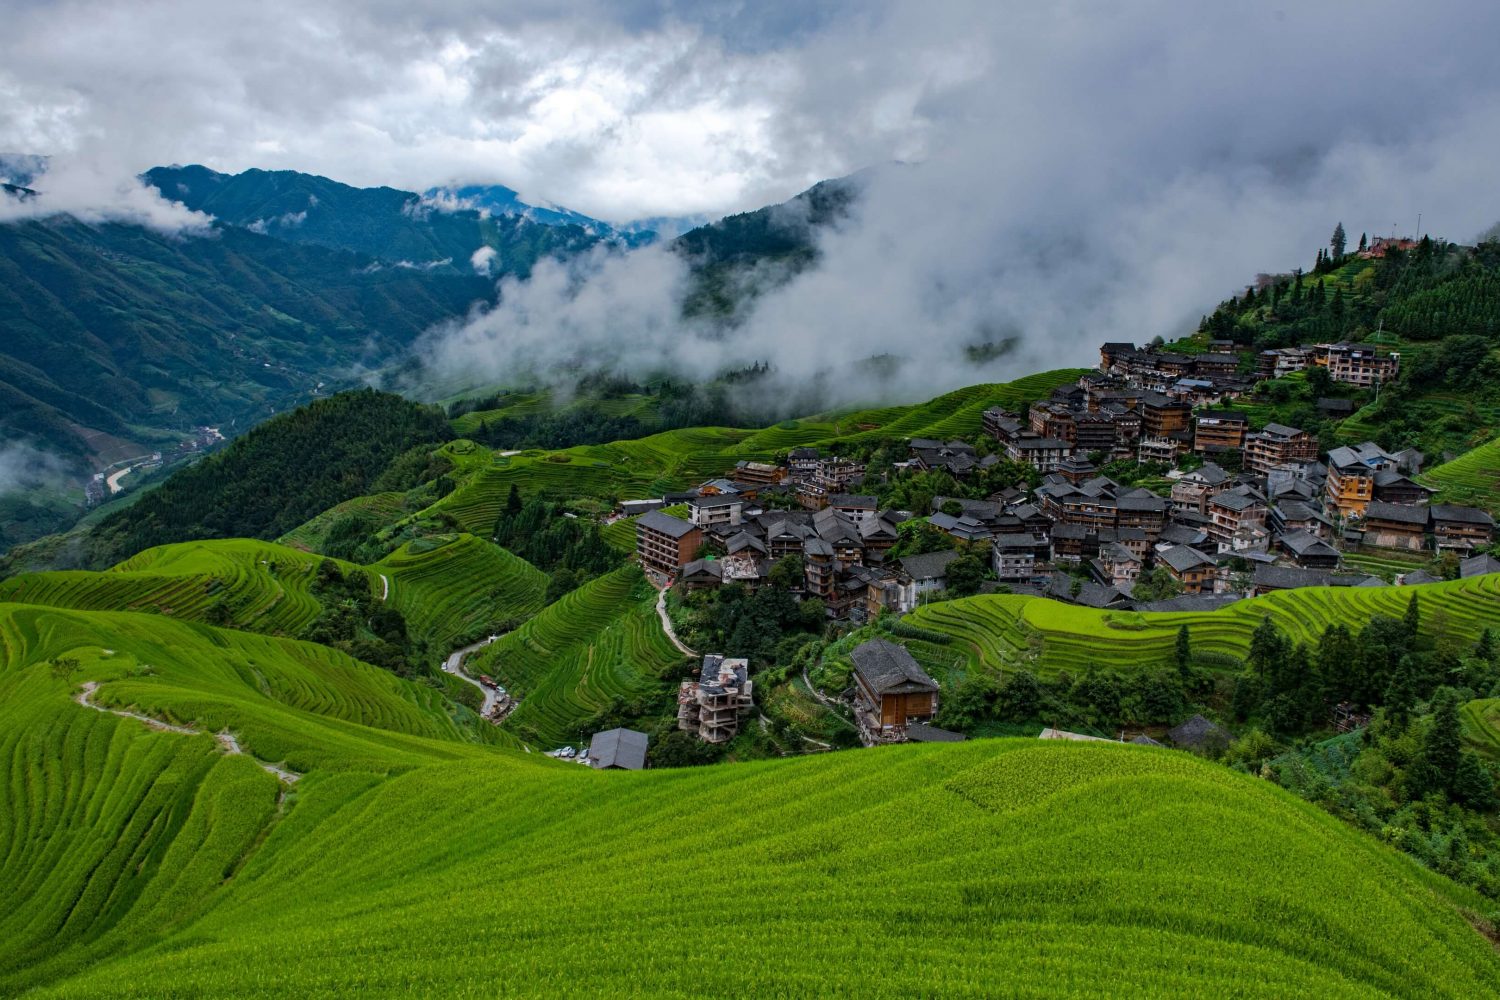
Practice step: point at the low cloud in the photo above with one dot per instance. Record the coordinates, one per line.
(482, 260)
(97, 190)
(966, 269)
(24, 468)
(286, 220)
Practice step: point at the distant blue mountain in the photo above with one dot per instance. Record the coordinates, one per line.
(497, 199)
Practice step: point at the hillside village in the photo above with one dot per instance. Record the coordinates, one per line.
(1239, 512)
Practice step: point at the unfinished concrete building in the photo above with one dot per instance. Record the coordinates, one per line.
(712, 705)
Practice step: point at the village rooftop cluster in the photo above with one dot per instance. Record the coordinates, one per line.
(1283, 517)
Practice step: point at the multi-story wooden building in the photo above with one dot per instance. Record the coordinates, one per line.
(890, 690)
(1461, 528)
(1196, 572)
(1351, 477)
(1278, 444)
(1357, 364)
(666, 543)
(1219, 430)
(1193, 489)
(1162, 416)
(1394, 525)
(1234, 512)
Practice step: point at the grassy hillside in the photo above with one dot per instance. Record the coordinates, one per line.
(276, 477)
(1481, 721)
(1038, 870)
(1009, 631)
(600, 642)
(676, 459)
(261, 587)
(1472, 478)
(447, 588)
(113, 834)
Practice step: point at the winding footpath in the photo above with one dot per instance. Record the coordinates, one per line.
(225, 739)
(666, 623)
(385, 583)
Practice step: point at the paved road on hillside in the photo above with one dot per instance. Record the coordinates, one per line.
(454, 665)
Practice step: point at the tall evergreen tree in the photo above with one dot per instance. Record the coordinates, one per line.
(1337, 243)
(1183, 655)
(1413, 619)
(1441, 746)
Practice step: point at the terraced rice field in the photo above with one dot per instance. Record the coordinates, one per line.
(1481, 722)
(115, 833)
(1483, 420)
(447, 588)
(1009, 632)
(1044, 870)
(599, 642)
(444, 589)
(677, 459)
(1472, 478)
(385, 507)
(264, 586)
(1385, 563)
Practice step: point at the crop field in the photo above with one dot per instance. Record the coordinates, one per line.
(1385, 563)
(677, 459)
(450, 586)
(1056, 870)
(114, 833)
(263, 586)
(1481, 722)
(1472, 478)
(1477, 421)
(1009, 631)
(386, 507)
(599, 642)
(446, 587)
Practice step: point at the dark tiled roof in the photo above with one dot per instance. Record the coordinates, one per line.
(676, 527)
(1289, 577)
(1184, 557)
(1401, 513)
(928, 566)
(1465, 515)
(1198, 732)
(618, 748)
(1478, 566)
(889, 669)
(920, 732)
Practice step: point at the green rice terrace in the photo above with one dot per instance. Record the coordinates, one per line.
(1471, 478)
(405, 857)
(676, 459)
(1007, 632)
(202, 802)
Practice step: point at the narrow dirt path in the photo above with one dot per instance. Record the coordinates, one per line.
(225, 739)
(666, 623)
(823, 699)
(385, 583)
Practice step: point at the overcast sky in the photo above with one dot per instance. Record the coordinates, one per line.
(1082, 171)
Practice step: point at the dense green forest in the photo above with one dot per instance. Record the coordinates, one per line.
(119, 331)
(1437, 304)
(272, 479)
(729, 257)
